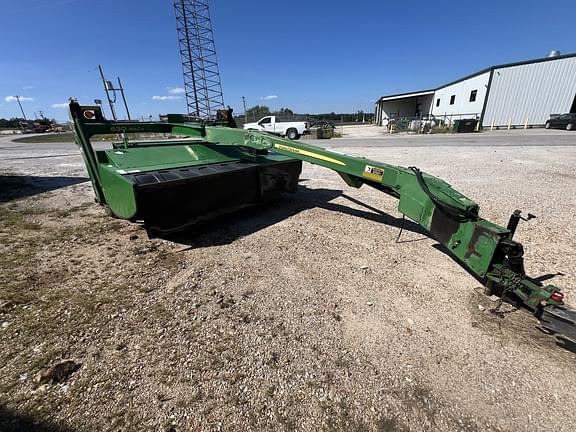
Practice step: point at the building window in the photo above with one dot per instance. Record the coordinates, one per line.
(452, 99)
(437, 102)
(473, 94)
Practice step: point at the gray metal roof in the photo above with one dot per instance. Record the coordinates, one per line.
(500, 66)
(407, 95)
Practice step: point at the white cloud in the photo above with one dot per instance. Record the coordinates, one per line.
(27, 87)
(164, 98)
(60, 105)
(22, 98)
(175, 90)
(269, 97)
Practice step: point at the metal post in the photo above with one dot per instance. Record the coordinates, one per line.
(21, 109)
(513, 222)
(124, 98)
(110, 102)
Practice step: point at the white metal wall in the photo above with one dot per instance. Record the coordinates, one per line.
(528, 94)
(461, 90)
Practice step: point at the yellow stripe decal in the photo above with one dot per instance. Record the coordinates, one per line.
(309, 154)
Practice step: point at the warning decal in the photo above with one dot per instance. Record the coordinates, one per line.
(373, 173)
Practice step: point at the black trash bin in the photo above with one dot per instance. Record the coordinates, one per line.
(327, 132)
(465, 125)
(324, 132)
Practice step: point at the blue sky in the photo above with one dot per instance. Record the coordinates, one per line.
(310, 56)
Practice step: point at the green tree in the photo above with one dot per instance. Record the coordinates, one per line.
(13, 123)
(255, 113)
(284, 113)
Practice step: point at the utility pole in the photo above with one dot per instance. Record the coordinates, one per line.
(21, 109)
(245, 113)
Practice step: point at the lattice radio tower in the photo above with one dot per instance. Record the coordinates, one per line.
(198, 53)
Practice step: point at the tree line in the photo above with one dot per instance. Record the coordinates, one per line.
(16, 122)
(255, 113)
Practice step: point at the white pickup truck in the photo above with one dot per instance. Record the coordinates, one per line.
(290, 130)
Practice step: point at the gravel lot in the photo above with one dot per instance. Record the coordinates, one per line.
(303, 315)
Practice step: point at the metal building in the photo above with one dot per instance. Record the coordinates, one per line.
(515, 94)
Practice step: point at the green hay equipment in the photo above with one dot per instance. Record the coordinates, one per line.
(171, 184)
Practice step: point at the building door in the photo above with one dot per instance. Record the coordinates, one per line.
(418, 112)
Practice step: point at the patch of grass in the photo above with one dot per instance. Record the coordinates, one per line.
(17, 258)
(442, 129)
(66, 137)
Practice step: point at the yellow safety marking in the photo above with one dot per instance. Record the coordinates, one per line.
(309, 154)
(373, 173)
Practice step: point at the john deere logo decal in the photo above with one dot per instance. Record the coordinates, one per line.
(89, 114)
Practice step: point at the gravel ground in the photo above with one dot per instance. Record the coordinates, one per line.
(303, 315)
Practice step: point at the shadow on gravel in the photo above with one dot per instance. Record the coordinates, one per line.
(11, 421)
(14, 186)
(226, 229)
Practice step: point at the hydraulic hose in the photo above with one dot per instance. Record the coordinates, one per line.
(456, 213)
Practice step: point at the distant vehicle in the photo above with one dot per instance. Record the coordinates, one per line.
(29, 128)
(563, 121)
(55, 128)
(290, 130)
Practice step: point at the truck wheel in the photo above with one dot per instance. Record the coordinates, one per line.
(569, 126)
(292, 134)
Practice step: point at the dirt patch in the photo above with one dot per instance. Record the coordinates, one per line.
(66, 275)
(302, 315)
(509, 324)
